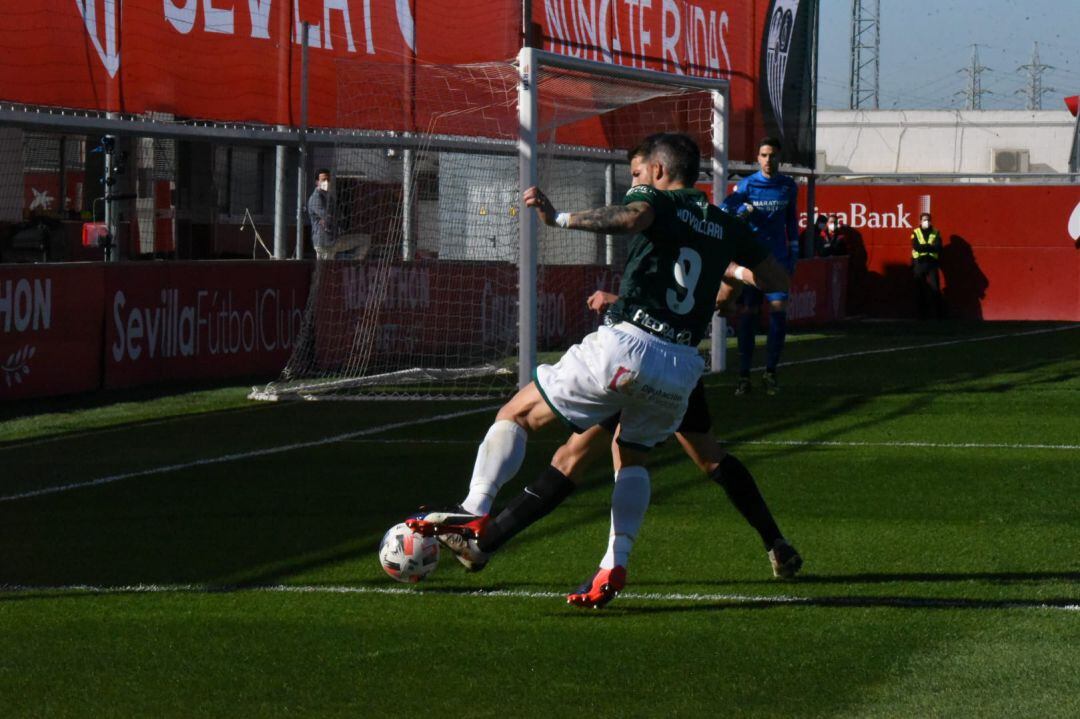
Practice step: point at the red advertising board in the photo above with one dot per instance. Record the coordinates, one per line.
(1009, 251)
(701, 38)
(73, 328)
(50, 329)
(818, 291)
(200, 319)
(440, 310)
(228, 60)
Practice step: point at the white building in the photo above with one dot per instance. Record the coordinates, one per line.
(944, 141)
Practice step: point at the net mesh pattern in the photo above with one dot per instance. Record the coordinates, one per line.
(418, 294)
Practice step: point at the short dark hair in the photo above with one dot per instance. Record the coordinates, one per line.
(925, 214)
(322, 171)
(677, 152)
(773, 142)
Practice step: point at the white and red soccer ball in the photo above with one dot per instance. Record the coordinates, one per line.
(407, 556)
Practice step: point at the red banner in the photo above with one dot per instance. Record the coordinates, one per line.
(50, 329)
(818, 291)
(73, 328)
(231, 60)
(1009, 251)
(760, 46)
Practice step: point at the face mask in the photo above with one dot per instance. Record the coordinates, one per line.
(832, 227)
(324, 185)
(926, 224)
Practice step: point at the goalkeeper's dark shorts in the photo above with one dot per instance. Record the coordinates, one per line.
(696, 419)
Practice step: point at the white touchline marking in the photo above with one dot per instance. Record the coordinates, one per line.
(241, 455)
(777, 442)
(945, 343)
(854, 600)
(398, 425)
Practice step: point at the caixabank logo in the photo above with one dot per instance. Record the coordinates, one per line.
(902, 215)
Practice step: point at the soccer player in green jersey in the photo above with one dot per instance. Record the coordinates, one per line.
(643, 365)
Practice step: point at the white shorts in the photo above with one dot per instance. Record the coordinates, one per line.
(623, 369)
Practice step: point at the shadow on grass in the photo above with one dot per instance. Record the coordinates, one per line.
(273, 517)
(844, 602)
(893, 578)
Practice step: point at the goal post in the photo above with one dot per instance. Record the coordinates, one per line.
(441, 283)
(531, 63)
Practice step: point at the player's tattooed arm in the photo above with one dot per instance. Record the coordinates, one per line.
(613, 219)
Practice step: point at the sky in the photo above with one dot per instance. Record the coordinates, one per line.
(925, 44)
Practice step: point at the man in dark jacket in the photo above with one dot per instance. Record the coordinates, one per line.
(321, 216)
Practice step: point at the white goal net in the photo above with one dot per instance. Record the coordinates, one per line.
(440, 286)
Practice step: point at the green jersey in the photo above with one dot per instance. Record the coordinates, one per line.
(674, 268)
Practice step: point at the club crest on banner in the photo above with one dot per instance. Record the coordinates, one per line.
(103, 39)
(405, 22)
(781, 25)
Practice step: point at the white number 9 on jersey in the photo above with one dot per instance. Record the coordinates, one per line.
(687, 272)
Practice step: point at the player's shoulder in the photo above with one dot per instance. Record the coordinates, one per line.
(642, 193)
(748, 181)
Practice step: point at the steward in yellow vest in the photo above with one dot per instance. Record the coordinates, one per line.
(925, 251)
(925, 241)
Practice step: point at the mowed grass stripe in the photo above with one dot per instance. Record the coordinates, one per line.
(349, 436)
(241, 455)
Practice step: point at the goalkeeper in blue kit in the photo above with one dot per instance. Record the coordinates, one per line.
(767, 200)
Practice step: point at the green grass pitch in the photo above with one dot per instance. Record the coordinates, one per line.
(190, 553)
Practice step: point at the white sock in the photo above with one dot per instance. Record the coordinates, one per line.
(497, 460)
(629, 502)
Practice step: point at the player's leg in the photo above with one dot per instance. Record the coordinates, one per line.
(498, 458)
(749, 306)
(742, 491)
(571, 391)
(774, 343)
(500, 455)
(550, 488)
(629, 503)
(697, 440)
(647, 420)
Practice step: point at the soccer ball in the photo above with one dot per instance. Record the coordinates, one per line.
(407, 556)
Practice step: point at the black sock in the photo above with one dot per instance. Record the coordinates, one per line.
(535, 502)
(743, 492)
